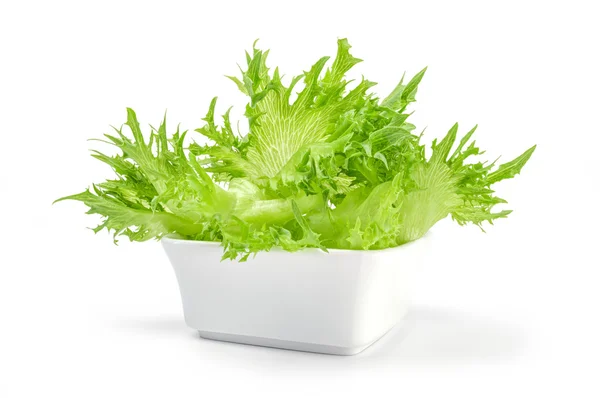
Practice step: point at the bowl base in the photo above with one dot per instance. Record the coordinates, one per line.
(285, 344)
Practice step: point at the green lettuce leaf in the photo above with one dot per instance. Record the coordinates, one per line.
(324, 164)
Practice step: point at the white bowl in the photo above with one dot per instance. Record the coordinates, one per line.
(339, 302)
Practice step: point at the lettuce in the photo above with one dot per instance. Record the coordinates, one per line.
(323, 165)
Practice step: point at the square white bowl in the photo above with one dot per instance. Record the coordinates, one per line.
(339, 302)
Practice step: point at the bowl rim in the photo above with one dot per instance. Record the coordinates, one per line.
(173, 239)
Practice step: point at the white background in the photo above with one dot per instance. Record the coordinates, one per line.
(510, 313)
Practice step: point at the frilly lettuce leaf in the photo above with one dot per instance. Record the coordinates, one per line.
(324, 164)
